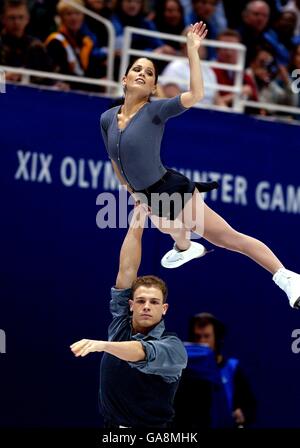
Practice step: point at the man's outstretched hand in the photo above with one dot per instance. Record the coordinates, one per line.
(86, 346)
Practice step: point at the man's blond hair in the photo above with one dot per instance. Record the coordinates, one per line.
(63, 5)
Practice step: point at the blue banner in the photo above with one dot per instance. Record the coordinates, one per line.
(58, 265)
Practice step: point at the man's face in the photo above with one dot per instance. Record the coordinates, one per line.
(147, 308)
(205, 335)
(257, 15)
(228, 55)
(15, 20)
(72, 19)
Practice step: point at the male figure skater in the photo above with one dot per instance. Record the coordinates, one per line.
(142, 363)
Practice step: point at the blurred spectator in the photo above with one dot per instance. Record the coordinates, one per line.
(210, 12)
(177, 78)
(132, 13)
(200, 400)
(187, 10)
(295, 59)
(227, 77)
(294, 73)
(234, 14)
(219, 20)
(204, 10)
(72, 51)
(234, 11)
(294, 6)
(272, 80)
(280, 37)
(207, 329)
(17, 48)
(255, 17)
(97, 28)
(169, 18)
(42, 21)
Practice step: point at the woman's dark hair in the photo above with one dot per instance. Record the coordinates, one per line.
(202, 320)
(136, 59)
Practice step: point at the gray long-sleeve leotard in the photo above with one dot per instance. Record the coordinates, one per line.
(136, 149)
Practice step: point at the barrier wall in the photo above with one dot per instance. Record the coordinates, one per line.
(57, 266)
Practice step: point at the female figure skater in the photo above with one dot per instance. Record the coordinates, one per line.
(132, 135)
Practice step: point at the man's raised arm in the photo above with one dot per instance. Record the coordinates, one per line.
(131, 250)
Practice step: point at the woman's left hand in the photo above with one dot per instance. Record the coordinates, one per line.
(196, 34)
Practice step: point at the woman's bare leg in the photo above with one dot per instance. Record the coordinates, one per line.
(175, 229)
(217, 231)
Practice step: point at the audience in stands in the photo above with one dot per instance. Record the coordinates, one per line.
(281, 36)
(214, 391)
(227, 77)
(168, 17)
(294, 73)
(76, 44)
(17, 48)
(272, 80)
(133, 13)
(204, 10)
(42, 21)
(97, 28)
(294, 6)
(176, 78)
(72, 50)
(255, 21)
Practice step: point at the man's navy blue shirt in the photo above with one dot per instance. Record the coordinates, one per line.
(140, 394)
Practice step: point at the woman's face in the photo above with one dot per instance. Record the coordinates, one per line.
(172, 13)
(140, 78)
(132, 7)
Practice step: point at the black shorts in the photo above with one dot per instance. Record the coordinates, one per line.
(172, 182)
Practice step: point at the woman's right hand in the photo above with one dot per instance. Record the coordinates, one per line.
(196, 35)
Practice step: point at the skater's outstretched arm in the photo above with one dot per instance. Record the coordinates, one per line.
(195, 36)
(131, 250)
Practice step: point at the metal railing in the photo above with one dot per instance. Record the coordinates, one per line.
(111, 37)
(27, 73)
(114, 88)
(109, 82)
(237, 68)
(272, 107)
